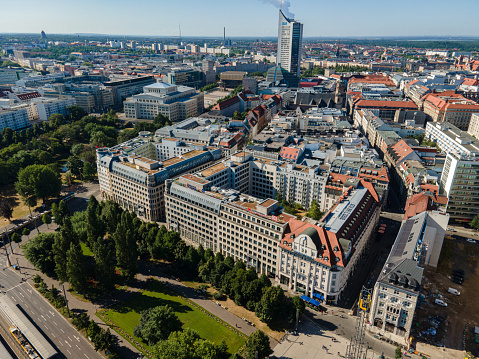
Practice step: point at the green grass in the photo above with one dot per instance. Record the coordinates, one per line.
(86, 251)
(127, 315)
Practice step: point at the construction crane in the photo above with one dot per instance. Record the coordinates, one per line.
(357, 348)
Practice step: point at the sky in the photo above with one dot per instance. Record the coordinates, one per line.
(252, 18)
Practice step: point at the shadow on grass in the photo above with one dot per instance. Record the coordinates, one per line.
(153, 297)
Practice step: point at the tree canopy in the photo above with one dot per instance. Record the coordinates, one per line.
(157, 324)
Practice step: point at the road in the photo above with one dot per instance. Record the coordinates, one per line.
(56, 328)
(61, 334)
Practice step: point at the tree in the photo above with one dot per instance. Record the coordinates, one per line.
(76, 112)
(75, 268)
(6, 209)
(60, 248)
(88, 170)
(39, 252)
(161, 120)
(269, 307)
(475, 222)
(38, 181)
(126, 246)
(257, 346)
(157, 324)
(46, 219)
(314, 211)
(75, 165)
(398, 353)
(26, 231)
(188, 345)
(76, 149)
(56, 120)
(16, 237)
(105, 262)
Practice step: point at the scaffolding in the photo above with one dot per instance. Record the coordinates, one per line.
(357, 348)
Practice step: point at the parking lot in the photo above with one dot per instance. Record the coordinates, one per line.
(451, 325)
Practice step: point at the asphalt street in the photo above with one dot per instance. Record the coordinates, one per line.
(60, 333)
(54, 326)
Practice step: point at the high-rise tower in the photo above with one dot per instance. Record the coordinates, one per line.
(290, 43)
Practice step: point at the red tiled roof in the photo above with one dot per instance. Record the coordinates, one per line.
(289, 153)
(328, 239)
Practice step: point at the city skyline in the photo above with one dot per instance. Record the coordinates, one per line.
(348, 19)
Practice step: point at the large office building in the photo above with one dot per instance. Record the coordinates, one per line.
(318, 258)
(175, 102)
(133, 173)
(473, 129)
(228, 207)
(226, 221)
(16, 119)
(396, 292)
(126, 87)
(460, 183)
(290, 43)
(185, 77)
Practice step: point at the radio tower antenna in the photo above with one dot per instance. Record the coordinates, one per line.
(179, 27)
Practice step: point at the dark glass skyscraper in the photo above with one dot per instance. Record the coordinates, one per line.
(290, 42)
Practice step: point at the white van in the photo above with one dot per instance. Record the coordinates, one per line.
(454, 291)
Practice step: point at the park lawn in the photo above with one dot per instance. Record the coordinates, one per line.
(127, 315)
(20, 209)
(86, 251)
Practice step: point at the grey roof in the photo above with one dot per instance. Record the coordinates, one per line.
(312, 233)
(404, 265)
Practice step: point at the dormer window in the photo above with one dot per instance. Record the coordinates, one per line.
(335, 248)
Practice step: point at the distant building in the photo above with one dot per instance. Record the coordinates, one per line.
(232, 79)
(450, 107)
(290, 43)
(127, 87)
(45, 107)
(175, 102)
(16, 119)
(449, 138)
(460, 182)
(185, 77)
(473, 129)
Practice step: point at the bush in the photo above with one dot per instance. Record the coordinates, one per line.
(219, 295)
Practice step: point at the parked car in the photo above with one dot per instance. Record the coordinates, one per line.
(440, 302)
(470, 240)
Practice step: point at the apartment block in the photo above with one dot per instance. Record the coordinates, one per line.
(175, 102)
(125, 87)
(473, 129)
(16, 119)
(460, 182)
(43, 107)
(449, 138)
(450, 107)
(397, 290)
